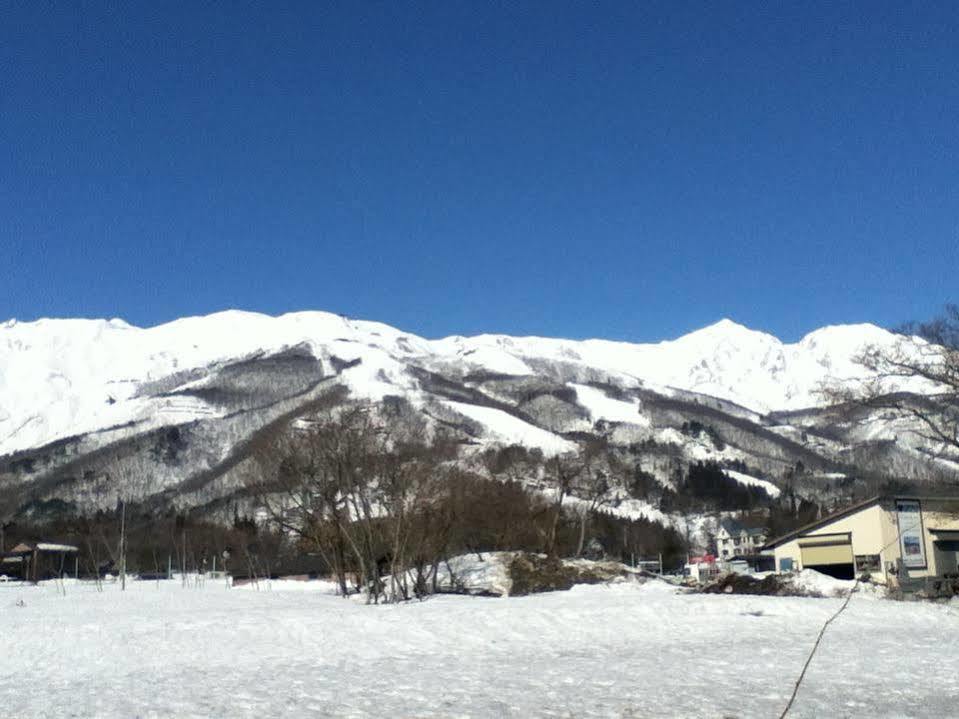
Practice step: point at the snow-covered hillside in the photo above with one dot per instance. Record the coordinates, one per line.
(170, 412)
(60, 378)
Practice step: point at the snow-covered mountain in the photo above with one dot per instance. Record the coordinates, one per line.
(60, 378)
(183, 397)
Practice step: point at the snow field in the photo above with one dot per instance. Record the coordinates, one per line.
(600, 406)
(506, 428)
(622, 650)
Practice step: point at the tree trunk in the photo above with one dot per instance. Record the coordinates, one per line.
(551, 538)
(582, 533)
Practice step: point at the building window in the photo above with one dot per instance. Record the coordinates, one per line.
(867, 563)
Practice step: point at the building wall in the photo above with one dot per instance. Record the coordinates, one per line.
(938, 514)
(873, 531)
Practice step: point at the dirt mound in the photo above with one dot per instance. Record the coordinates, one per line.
(773, 585)
(534, 573)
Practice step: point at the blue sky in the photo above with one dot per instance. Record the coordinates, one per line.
(622, 170)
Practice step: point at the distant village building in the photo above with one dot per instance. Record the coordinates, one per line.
(736, 540)
(900, 540)
(33, 561)
(702, 568)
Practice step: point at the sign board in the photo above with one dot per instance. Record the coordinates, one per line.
(911, 542)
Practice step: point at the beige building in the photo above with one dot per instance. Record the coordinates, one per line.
(896, 539)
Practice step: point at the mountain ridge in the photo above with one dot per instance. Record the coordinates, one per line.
(49, 368)
(90, 409)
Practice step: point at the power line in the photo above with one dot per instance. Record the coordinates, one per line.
(835, 616)
(812, 653)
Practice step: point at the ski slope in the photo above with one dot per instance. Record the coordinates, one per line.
(771, 489)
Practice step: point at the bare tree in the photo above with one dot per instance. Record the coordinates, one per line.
(562, 471)
(594, 483)
(129, 479)
(123, 545)
(925, 358)
(363, 490)
(7, 505)
(308, 483)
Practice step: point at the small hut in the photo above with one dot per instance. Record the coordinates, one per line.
(33, 561)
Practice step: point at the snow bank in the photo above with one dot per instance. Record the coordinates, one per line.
(815, 583)
(484, 573)
(321, 586)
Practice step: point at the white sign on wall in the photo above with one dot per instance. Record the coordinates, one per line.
(911, 541)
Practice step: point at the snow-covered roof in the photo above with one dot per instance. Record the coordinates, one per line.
(734, 528)
(49, 547)
(27, 547)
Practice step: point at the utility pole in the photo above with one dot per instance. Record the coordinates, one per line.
(123, 546)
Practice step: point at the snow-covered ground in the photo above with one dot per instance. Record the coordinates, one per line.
(622, 650)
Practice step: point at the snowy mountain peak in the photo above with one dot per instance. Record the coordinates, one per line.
(62, 377)
(838, 338)
(725, 325)
(730, 332)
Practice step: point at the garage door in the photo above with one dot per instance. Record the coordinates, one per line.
(830, 555)
(819, 554)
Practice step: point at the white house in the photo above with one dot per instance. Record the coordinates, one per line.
(736, 540)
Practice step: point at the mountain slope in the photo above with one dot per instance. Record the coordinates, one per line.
(90, 406)
(65, 377)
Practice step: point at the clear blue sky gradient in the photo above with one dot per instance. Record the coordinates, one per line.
(622, 170)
